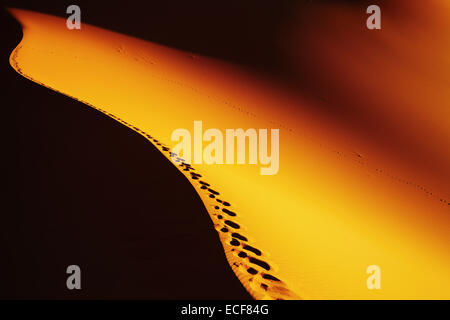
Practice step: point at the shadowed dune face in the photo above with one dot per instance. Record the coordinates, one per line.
(309, 231)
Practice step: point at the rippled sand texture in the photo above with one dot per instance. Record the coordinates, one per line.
(308, 232)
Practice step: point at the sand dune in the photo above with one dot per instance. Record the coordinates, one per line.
(311, 230)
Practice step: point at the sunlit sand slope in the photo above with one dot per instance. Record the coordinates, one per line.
(311, 230)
